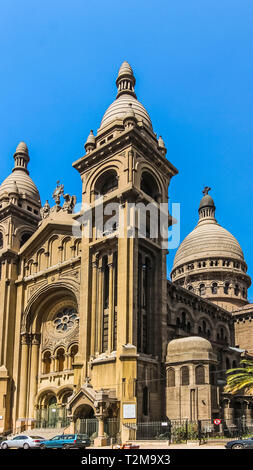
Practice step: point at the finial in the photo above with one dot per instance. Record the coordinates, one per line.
(90, 143)
(125, 81)
(161, 146)
(206, 190)
(58, 192)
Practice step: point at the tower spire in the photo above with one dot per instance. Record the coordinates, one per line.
(125, 81)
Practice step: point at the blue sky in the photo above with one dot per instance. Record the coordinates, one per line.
(194, 70)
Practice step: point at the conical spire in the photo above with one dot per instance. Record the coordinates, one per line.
(21, 157)
(90, 143)
(125, 81)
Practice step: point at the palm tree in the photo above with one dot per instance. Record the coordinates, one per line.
(240, 378)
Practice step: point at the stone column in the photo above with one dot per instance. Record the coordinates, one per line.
(100, 306)
(93, 305)
(101, 439)
(68, 360)
(25, 341)
(33, 372)
(54, 364)
(248, 413)
(111, 302)
(229, 413)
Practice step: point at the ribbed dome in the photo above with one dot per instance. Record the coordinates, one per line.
(120, 107)
(208, 239)
(19, 180)
(126, 96)
(189, 344)
(24, 184)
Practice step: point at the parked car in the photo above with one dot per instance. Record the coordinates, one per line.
(240, 444)
(22, 442)
(67, 441)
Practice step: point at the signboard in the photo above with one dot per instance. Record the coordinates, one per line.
(164, 424)
(129, 411)
(217, 421)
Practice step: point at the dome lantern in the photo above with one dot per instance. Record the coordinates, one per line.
(21, 157)
(206, 206)
(125, 81)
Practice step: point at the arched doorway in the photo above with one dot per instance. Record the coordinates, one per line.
(53, 412)
(85, 421)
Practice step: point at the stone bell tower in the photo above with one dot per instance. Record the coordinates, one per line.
(19, 218)
(124, 282)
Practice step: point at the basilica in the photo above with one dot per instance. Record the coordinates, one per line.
(91, 329)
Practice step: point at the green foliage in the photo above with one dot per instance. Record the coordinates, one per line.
(179, 434)
(240, 378)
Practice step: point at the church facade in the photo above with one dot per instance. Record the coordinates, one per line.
(90, 326)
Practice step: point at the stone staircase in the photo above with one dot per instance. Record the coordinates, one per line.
(46, 433)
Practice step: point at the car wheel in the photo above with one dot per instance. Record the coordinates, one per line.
(26, 446)
(237, 446)
(65, 446)
(4, 446)
(42, 446)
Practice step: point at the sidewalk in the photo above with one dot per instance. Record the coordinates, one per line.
(164, 445)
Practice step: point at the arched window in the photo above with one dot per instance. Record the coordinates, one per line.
(234, 365)
(200, 375)
(214, 288)
(149, 185)
(202, 289)
(226, 288)
(185, 375)
(236, 289)
(228, 364)
(213, 374)
(190, 288)
(1, 241)
(47, 362)
(73, 353)
(171, 377)
(60, 357)
(106, 183)
(24, 238)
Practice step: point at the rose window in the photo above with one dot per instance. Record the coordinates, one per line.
(65, 319)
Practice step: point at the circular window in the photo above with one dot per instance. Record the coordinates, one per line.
(65, 319)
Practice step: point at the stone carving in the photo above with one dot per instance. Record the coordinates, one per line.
(35, 287)
(45, 210)
(68, 205)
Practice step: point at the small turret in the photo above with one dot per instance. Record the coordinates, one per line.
(90, 143)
